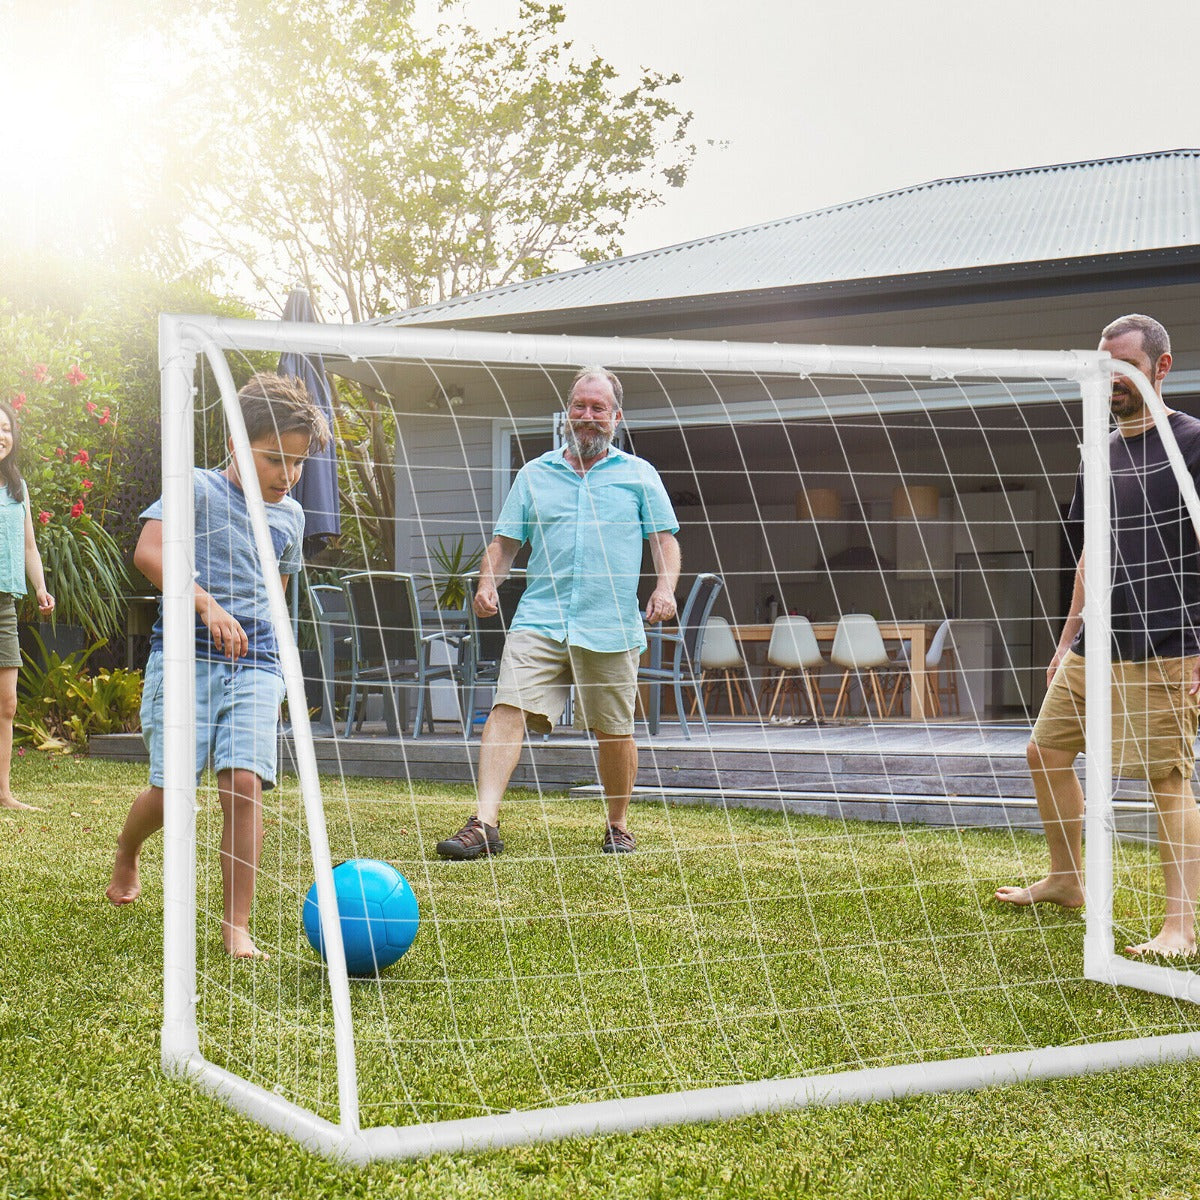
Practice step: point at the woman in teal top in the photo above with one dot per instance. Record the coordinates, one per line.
(19, 557)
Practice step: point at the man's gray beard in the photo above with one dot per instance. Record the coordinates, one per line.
(588, 444)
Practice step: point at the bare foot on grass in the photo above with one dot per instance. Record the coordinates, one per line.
(11, 802)
(1166, 945)
(1046, 891)
(239, 944)
(125, 886)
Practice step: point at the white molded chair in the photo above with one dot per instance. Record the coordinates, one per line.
(794, 653)
(858, 649)
(941, 672)
(721, 661)
(940, 667)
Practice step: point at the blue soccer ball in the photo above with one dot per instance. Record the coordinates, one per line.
(378, 914)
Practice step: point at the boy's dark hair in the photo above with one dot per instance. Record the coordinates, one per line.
(277, 404)
(10, 465)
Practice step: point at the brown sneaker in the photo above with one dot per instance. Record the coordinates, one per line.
(472, 840)
(618, 841)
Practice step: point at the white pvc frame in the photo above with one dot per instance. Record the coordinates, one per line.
(182, 339)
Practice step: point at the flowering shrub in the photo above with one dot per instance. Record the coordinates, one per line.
(65, 398)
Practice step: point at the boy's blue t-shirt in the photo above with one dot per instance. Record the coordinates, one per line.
(227, 564)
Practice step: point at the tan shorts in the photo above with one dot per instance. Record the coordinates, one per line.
(536, 674)
(1153, 721)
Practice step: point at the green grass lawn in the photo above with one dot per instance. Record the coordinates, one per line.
(733, 946)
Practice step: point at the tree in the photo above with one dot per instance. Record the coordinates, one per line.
(387, 171)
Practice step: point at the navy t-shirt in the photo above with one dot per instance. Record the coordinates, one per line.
(1155, 556)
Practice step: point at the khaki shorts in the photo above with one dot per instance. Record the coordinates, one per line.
(1153, 721)
(536, 674)
(10, 647)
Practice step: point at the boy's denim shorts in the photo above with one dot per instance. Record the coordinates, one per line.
(237, 718)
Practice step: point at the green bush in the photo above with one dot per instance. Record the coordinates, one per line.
(60, 704)
(65, 397)
(90, 415)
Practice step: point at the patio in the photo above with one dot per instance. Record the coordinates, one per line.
(947, 773)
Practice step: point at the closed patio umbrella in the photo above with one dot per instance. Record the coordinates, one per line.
(317, 489)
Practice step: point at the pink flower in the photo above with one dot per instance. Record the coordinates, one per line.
(75, 376)
(77, 509)
(44, 517)
(91, 407)
(18, 402)
(59, 452)
(87, 485)
(104, 418)
(82, 457)
(41, 373)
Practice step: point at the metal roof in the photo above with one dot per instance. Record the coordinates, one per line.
(1105, 207)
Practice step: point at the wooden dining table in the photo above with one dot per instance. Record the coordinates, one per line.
(916, 633)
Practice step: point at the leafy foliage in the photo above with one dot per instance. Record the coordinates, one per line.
(64, 313)
(366, 431)
(65, 395)
(386, 170)
(454, 565)
(60, 704)
(86, 572)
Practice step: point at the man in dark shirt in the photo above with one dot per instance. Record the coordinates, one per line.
(1155, 651)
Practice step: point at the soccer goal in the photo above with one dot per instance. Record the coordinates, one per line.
(809, 917)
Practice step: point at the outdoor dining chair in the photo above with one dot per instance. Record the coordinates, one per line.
(390, 648)
(331, 616)
(480, 662)
(793, 652)
(683, 671)
(859, 650)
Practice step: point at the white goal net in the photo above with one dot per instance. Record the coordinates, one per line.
(809, 916)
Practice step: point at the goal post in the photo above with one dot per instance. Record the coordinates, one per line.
(180, 345)
(732, 976)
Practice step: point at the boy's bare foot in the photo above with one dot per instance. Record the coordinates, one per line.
(11, 802)
(1166, 945)
(125, 886)
(239, 944)
(1045, 891)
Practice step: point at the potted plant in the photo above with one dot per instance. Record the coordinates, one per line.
(455, 565)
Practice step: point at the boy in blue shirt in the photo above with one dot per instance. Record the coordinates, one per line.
(239, 683)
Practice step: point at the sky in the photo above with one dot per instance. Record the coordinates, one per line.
(799, 105)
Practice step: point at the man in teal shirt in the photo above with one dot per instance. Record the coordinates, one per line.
(585, 510)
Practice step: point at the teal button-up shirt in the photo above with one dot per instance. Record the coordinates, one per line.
(585, 535)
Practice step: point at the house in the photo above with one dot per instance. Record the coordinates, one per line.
(1039, 258)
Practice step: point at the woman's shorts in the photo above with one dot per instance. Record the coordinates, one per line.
(1154, 719)
(536, 674)
(10, 649)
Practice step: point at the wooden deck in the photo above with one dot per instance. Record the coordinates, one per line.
(940, 773)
